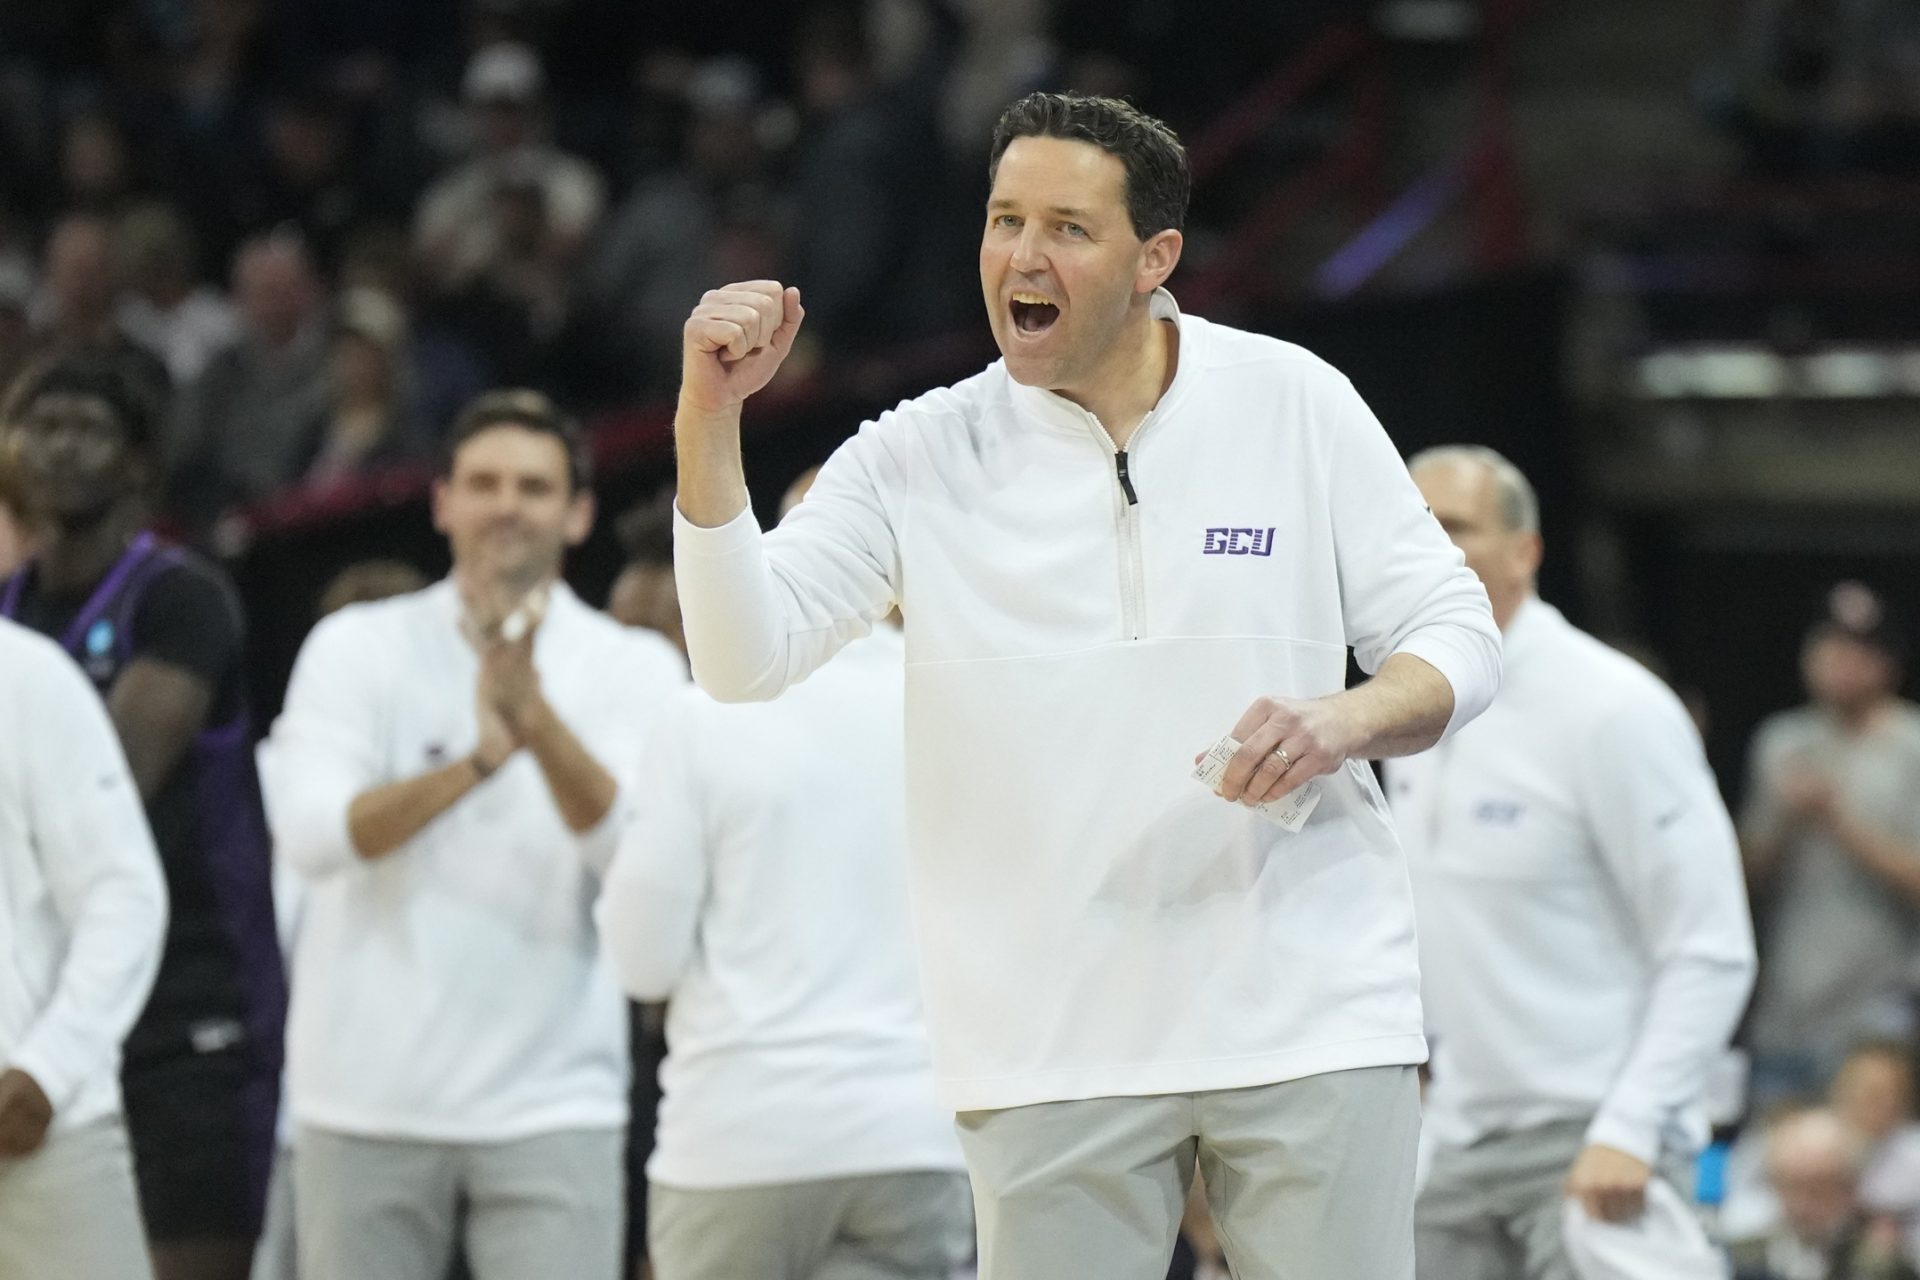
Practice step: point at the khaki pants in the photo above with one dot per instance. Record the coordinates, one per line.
(1308, 1179)
(1495, 1210)
(274, 1256)
(70, 1209)
(888, 1226)
(542, 1207)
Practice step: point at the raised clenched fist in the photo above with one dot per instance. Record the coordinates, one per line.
(734, 342)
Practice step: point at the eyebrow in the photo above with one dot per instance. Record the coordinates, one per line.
(1064, 211)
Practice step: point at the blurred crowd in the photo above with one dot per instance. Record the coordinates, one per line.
(1821, 86)
(325, 226)
(1826, 1163)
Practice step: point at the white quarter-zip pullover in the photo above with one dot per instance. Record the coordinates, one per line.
(762, 891)
(1584, 937)
(453, 991)
(83, 904)
(1080, 623)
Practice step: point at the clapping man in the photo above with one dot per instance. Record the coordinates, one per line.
(451, 776)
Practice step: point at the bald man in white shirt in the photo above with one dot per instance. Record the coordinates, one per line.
(1585, 948)
(83, 910)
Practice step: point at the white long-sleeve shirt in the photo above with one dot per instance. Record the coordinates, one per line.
(453, 990)
(1092, 921)
(1585, 942)
(762, 890)
(83, 904)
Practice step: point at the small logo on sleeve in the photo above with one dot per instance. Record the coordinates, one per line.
(100, 658)
(1238, 542)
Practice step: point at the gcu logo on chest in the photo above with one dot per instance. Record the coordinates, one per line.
(1239, 542)
(1499, 813)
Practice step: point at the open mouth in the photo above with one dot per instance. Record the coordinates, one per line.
(1032, 313)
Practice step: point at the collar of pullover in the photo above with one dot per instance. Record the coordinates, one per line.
(1053, 410)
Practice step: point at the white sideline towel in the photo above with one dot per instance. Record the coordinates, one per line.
(1666, 1242)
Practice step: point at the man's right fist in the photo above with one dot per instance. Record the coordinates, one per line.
(734, 342)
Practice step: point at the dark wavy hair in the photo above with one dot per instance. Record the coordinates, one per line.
(531, 410)
(1159, 180)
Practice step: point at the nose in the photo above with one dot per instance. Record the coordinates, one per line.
(64, 441)
(1028, 255)
(506, 506)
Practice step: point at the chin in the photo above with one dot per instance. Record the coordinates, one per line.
(74, 510)
(1032, 371)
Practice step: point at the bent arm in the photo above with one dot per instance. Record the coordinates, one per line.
(328, 761)
(1889, 859)
(1766, 828)
(158, 709)
(761, 612)
(1669, 846)
(385, 818)
(1401, 710)
(103, 874)
(582, 788)
(654, 890)
(712, 481)
(1405, 592)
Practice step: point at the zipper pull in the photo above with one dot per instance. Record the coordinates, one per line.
(1126, 482)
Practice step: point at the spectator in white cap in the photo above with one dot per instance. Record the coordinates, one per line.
(505, 89)
(1831, 833)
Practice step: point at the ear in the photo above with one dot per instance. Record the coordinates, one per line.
(1158, 257)
(580, 512)
(439, 502)
(141, 471)
(1529, 550)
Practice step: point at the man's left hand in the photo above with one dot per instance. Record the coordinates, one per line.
(1610, 1184)
(26, 1113)
(508, 677)
(1311, 732)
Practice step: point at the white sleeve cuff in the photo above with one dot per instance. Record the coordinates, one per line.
(719, 541)
(1467, 660)
(61, 1082)
(1638, 1139)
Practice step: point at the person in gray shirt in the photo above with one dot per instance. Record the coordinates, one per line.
(1831, 836)
(241, 428)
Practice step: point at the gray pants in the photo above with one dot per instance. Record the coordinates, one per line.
(70, 1209)
(1492, 1211)
(892, 1226)
(274, 1255)
(1310, 1179)
(368, 1209)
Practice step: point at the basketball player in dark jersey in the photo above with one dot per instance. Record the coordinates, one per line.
(159, 632)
